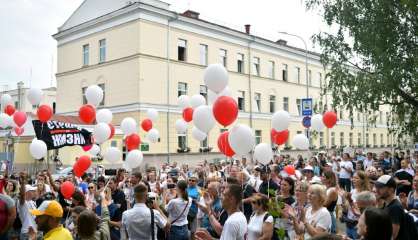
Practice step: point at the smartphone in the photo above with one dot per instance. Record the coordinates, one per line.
(171, 185)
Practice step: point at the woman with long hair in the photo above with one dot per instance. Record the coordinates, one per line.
(375, 223)
(260, 225)
(177, 210)
(330, 181)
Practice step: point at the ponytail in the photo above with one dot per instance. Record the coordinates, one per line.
(182, 185)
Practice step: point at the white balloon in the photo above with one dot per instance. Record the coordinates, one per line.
(128, 126)
(38, 149)
(183, 101)
(113, 155)
(101, 132)
(94, 95)
(104, 116)
(216, 77)
(181, 126)
(35, 96)
(134, 159)
(197, 100)
(301, 142)
(241, 138)
(153, 135)
(152, 114)
(280, 120)
(203, 118)
(6, 120)
(263, 153)
(95, 149)
(5, 100)
(316, 122)
(198, 135)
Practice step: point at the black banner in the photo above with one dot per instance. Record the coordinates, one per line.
(60, 134)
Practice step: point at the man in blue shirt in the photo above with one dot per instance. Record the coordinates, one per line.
(193, 192)
(212, 199)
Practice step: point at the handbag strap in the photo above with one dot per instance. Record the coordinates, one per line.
(179, 216)
(152, 224)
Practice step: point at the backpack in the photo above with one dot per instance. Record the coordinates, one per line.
(411, 226)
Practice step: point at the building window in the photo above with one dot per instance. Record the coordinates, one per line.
(358, 116)
(256, 66)
(204, 91)
(374, 139)
(222, 57)
(299, 106)
(271, 69)
(286, 103)
(320, 79)
(351, 139)
(181, 50)
(367, 139)
(321, 139)
(204, 143)
(257, 137)
(257, 98)
(310, 77)
(102, 86)
(182, 142)
(113, 143)
(388, 139)
(272, 103)
(284, 72)
(240, 63)
(86, 49)
(181, 89)
(333, 139)
(17, 104)
(380, 117)
(341, 114)
(102, 46)
(381, 140)
(387, 117)
(204, 54)
(359, 139)
(241, 100)
(297, 70)
(342, 139)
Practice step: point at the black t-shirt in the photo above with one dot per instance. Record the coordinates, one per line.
(267, 185)
(397, 215)
(403, 175)
(118, 198)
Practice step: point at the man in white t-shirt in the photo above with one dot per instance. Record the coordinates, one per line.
(368, 162)
(346, 172)
(235, 226)
(25, 204)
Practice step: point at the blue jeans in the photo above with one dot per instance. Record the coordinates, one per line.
(352, 232)
(179, 233)
(333, 223)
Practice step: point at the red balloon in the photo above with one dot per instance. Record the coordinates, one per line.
(225, 110)
(273, 134)
(188, 114)
(112, 130)
(132, 141)
(77, 170)
(329, 119)
(87, 114)
(44, 113)
(281, 137)
(83, 163)
(87, 147)
(290, 169)
(19, 118)
(19, 130)
(9, 110)
(223, 144)
(67, 189)
(146, 124)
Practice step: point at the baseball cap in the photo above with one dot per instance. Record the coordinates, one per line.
(49, 208)
(308, 168)
(385, 181)
(30, 188)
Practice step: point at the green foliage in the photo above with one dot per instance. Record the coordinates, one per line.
(276, 207)
(372, 57)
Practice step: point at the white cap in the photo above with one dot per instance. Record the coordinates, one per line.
(30, 188)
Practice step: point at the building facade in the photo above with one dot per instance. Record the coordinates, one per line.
(144, 56)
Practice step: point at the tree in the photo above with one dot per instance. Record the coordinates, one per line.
(372, 57)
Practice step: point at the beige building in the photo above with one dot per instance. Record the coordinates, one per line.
(144, 56)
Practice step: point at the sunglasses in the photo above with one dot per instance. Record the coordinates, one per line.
(191, 180)
(91, 187)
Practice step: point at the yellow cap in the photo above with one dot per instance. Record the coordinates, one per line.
(50, 208)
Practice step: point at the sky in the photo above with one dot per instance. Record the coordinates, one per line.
(28, 51)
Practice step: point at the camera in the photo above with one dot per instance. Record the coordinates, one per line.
(150, 199)
(171, 185)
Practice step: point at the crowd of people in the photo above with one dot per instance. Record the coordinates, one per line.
(328, 196)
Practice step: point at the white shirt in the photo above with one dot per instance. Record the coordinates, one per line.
(321, 218)
(235, 227)
(137, 220)
(344, 173)
(367, 163)
(27, 219)
(255, 226)
(176, 207)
